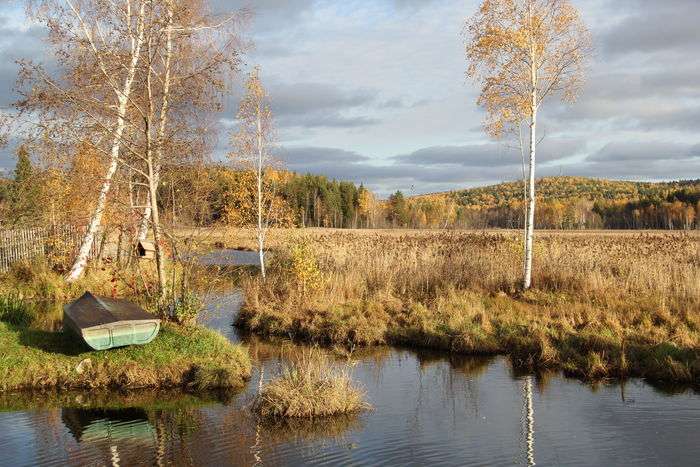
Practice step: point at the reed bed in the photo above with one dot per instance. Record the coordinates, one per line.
(604, 304)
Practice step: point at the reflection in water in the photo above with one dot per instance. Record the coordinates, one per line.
(110, 426)
(429, 409)
(114, 424)
(528, 420)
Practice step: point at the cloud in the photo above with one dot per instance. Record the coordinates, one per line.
(304, 157)
(314, 105)
(268, 15)
(490, 154)
(17, 41)
(642, 151)
(309, 105)
(654, 26)
(648, 160)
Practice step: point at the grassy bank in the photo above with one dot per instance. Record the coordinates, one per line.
(605, 304)
(189, 357)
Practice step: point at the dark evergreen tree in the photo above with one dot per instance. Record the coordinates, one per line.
(23, 192)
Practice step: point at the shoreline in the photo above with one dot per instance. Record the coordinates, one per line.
(193, 358)
(587, 354)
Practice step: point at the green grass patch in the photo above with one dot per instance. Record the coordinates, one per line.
(191, 357)
(14, 311)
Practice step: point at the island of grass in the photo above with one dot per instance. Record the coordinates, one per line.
(188, 357)
(310, 387)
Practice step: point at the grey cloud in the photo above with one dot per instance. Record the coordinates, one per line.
(327, 120)
(490, 154)
(309, 97)
(641, 160)
(643, 151)
(308, 155)
(16, 44)
(268, 15)
(653, 26)
(677, 118)
(481, 155)
(652, 33)
(624, 170)
(316, 105)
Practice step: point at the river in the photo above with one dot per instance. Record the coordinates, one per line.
(429, 408)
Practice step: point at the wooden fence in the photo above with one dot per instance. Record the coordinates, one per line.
(30, 243)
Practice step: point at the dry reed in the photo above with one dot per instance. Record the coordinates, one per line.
(605, 304)
(310, 387)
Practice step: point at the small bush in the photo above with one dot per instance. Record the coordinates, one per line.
(304, 267)
(310, 387)
(186, 308)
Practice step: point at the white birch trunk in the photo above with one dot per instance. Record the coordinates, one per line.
(145, 219)
(530, 218)
(261, 230)
(146, 215)
(123, 97)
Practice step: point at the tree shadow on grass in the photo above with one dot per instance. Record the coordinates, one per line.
(60, 342)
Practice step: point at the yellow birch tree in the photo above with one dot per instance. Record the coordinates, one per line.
(521, 52)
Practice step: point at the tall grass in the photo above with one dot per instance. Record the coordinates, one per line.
(311, 386)
(603, 304)
(14, 311)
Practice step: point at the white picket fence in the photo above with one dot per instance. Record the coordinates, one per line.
(30, 243)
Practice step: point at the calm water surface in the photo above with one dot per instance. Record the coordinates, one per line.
(429, 409)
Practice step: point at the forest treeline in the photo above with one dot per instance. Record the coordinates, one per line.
(206, 194)
(583, 203)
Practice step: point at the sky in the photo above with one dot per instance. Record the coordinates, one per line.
(374, 91)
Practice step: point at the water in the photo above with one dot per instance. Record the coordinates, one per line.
(429, 409)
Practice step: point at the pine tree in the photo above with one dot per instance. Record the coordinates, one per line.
(23, 193)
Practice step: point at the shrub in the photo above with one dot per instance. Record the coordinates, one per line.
(304, 268)
(186, 307)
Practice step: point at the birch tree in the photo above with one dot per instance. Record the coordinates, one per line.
(136, 80)
(198, 55)
(252, 143)
(188, 55)
(98, 45)
(122, 95)
(522, 52)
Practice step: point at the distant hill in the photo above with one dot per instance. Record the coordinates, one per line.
(567, 189)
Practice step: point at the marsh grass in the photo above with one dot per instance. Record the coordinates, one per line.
(604, 304)
(310, 387)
